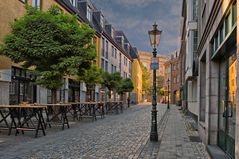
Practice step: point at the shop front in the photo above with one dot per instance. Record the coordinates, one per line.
(224, 48)
(22, 87)
(74, 91)
(227, 104)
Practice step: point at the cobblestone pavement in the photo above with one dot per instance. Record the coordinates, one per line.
(180, 140)
(116, 136)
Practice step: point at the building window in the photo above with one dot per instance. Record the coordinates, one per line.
(195, 44)
(234, 13)
(221, 33)
(103, 47)
(195, 10)
(12, 87)
(212, 46)
(89, 13)
(106, 66)
(112, 68)
(204, 14)
(107, 50)
(113, 54)
(216, 42)
(73, 2)
(227, 25)
(36, 3)
(102, 64)
(120, 58)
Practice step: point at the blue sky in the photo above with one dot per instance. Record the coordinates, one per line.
(135, 18)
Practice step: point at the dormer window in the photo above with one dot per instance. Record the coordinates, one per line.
(73, 2)
(89, 13)
(102, 21)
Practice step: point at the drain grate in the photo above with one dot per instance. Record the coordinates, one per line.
(195, 139)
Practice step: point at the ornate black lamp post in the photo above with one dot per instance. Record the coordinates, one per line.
(154, 36)
(168, 93)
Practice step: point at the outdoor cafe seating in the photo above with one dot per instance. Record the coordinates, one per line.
(39, 117)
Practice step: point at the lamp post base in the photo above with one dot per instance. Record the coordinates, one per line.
(154, 131)
(154, 137)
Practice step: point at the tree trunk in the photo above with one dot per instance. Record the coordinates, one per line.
(128, 100)
(54, 110)
(87, 97)
(79, 100)
(114, 92)
(121, 97)
(90, 91)
(109, 93)
(54, 96)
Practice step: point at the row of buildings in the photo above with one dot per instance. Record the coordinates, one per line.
(145, 59)
(208, 71)
(172, 79)
(114, 54)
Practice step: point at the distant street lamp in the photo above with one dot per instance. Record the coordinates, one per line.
(154, 36)
(168, 93)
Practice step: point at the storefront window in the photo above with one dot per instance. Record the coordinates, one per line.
(234, 13)
(226, 25)
(221, 34)
(227, 105)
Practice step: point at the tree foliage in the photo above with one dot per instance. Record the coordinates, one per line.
(125, 85)
(160, 84)
(111, 81)
(91, 77)
(146, 82)
(51, 42)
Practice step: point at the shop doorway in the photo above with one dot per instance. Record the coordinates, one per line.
(227, 105)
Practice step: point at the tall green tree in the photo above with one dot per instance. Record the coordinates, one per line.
(111, 81)
(91, 77)
(53, 43)
(146, 82)
(160, 85)
(125, 85)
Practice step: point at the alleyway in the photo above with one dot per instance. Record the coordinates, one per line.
(117, 136)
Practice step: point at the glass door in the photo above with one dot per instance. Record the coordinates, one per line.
(227, 105)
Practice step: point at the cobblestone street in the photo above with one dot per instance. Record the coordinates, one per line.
(117, 136)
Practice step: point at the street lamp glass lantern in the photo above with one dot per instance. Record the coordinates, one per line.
(154, 36)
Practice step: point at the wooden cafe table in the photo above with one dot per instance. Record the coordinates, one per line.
(22, 116)
(91, 109)
(114, 106)
(53, 113)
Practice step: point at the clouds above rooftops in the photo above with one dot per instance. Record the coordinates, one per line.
(135, 18)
